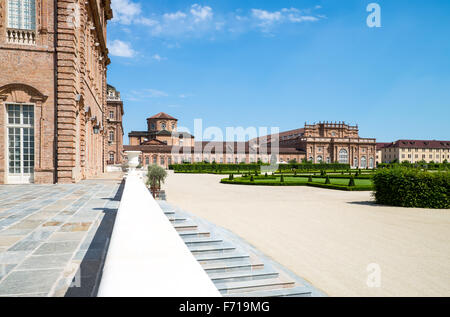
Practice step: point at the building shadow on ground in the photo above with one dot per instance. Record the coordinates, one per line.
(89, 275)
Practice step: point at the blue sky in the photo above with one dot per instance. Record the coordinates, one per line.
(282, 63)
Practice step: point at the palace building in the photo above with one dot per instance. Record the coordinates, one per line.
(163, 145)
(414, 151)
(53, 91)
(114, 127)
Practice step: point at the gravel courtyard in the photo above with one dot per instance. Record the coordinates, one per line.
(336, 240)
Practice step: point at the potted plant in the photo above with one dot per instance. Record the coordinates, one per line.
(155, 177)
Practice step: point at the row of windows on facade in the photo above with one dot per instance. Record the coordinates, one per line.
(417, 150)
(431, 156)
(22, 14)
(320, 149)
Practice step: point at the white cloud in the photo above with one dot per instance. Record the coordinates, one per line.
(201, 13)
(158, 58)
(144, 94)
(121, 49)
(198, 20)
(266, 19)
(125, 11)
(175, 16)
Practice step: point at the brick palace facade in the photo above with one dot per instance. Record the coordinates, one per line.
(114, 127)
(324, 142)
(53, 58)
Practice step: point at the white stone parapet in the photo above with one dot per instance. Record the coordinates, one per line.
(147, 257)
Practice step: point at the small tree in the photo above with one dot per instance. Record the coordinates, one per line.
(352, 182)
(155, 177)
(282, 178)
(327, 180)
(231, 177)
(252, 179)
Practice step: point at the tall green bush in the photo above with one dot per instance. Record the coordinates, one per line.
(410, 187)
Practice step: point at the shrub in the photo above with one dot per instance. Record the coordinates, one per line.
(282, 178)
(252, 179)
(265, 175)
(409, 187)
(327, 180)
(310, 179)
(351, 182)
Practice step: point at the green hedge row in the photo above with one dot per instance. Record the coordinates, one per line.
(253, 167)
(421, 165)
(409, 187)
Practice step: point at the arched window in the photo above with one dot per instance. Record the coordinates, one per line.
(363, 162)
(343, 156)
(371, 162)
(22, 14)
(163, 126)
(319, 159)
(328, 160)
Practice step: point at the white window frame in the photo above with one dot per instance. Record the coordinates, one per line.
(22, 178)
(21, 15)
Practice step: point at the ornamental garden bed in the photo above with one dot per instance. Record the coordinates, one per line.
(334, 183)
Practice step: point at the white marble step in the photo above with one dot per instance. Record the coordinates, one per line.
(298, 291)
(251, 286)
(211, 249)
(211, 268)
(243, 275)
(226, 258)
(185, 226)
(191, 241)
(190, 234)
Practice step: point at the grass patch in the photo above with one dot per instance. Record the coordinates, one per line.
(336, 183)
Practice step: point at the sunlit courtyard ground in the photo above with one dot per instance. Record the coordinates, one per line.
(334, 239)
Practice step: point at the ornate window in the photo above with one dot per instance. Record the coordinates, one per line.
(371, 161)
(111, 114)
(319, 159)
(22, 14)
(111, 157)
(111, 136)
(363, 162)
(343, 156)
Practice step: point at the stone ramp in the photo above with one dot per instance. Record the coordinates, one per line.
(236, 268)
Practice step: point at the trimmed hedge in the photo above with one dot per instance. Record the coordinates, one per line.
(215, 167)
(408, 187)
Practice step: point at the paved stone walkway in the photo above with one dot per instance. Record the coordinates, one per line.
(53, 238)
